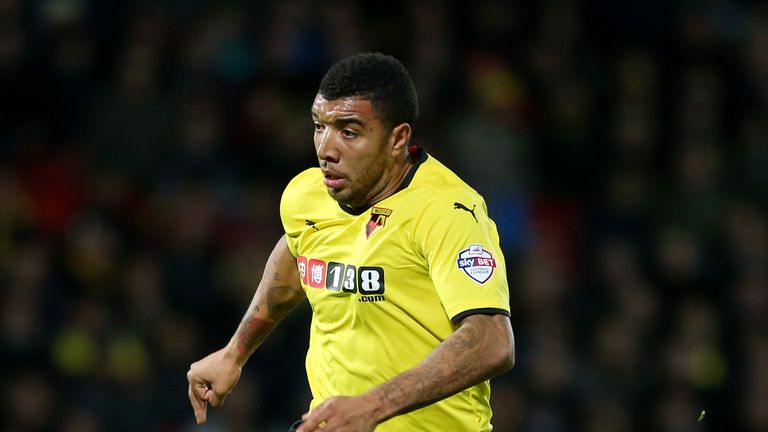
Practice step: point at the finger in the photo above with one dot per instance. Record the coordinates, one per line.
(305, 425)
(198, 405)
(322, 427)
(216, 399)
(312, 419)
(200, 390)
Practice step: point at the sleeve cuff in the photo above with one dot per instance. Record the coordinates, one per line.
(484, 311)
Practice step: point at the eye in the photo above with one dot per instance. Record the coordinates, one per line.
(319, 126)
(348, 133)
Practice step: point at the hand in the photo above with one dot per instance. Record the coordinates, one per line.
(340, 414)
(211, 380)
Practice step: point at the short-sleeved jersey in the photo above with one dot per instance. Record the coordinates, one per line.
(388, 283)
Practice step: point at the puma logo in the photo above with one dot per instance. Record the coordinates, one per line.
(311, 224)
(460, 206)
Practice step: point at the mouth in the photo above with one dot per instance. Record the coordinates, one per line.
(332, 179)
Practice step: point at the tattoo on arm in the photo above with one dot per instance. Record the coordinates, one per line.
(279, 301)
(259, 321)
(251, 332)
(278, 293)
(457, 364)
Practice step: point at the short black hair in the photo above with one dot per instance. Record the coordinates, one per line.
(377, 77)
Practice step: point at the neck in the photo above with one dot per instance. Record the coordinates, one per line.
(391, 185)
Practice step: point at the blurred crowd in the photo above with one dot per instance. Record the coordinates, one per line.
(622, 148)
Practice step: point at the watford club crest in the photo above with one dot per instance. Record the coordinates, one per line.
(378, 219)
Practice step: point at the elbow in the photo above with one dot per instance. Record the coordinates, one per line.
(495, 346)
(504, 355)
(508, 349)
(507, 356)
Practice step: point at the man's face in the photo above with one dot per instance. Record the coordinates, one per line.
(352, 147)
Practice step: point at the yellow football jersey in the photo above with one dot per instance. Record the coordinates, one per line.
(386, 284)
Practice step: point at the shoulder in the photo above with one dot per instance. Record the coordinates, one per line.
(440, 188)
(304, 191)
(303, 185)
(448, 209)
(310, 177)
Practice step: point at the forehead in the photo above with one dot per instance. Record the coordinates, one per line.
(345, 107)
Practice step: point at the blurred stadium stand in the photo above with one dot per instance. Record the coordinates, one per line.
(622, 148)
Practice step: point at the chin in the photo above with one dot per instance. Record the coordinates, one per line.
(343, 196)
(338, 195)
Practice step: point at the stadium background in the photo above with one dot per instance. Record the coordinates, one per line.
(622, 147)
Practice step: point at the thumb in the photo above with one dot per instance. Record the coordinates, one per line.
(217, 399)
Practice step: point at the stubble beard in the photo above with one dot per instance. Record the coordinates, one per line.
(359, 196)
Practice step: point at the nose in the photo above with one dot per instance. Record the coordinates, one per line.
(325, 146)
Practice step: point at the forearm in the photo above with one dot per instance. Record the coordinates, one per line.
(279, 291)
(480, 349)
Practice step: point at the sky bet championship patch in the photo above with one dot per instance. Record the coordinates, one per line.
(477, 263)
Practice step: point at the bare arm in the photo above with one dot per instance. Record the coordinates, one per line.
(482, 347)
(212, 378)
(277, 294)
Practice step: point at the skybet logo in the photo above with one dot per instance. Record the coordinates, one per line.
(477, 263)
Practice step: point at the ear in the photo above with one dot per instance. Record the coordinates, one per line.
(399, 138)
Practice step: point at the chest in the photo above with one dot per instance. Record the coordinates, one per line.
(360, 259)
